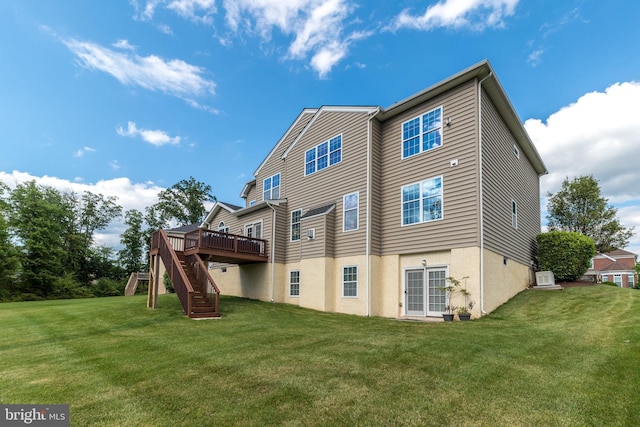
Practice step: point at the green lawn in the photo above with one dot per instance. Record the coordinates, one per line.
(549, 358)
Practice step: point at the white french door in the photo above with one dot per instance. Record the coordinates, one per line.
(423, 296)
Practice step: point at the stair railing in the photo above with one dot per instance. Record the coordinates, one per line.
(178, 277)
(205, 281)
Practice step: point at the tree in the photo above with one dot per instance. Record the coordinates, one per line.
(579, 207)
(182, 202)
(9, 262)
(133, 242)
(566, 254)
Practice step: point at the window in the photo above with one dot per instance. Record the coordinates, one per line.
(253, 230)
(516, 151)
(350, 282)
(591, 264)
(323, 155)
(422, 133)
(514, 214)
(271, 187)
(222, 227)
(252, 202)
(630, 281)
(617, 279)
(294, 283)
(350, 212)
(295, 225)
(605, 278)
(422, 201)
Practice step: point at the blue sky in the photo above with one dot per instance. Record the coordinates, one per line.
(128, 97)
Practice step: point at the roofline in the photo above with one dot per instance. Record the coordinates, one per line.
(239, 212)
(328, 108)
(247, 187)
(289, 129)
(494, 89)
(216, 207)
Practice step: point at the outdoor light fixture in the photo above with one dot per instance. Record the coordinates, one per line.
(424, 262)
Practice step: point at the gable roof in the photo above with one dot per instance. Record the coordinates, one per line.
(493, 88)
(320, 210)
(615, 266)
(305, 115)
(621, 253)
(184, 229)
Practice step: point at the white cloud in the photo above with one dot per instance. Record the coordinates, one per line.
(474, 14)
(597, 135)
(84, 150)
(174, 77)
(124, 44)
(199, 11)
(130, 196)
(153, 137)
(535, 57)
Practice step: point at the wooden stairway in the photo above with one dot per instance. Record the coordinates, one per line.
(201, 305)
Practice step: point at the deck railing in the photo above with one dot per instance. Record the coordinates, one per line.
(217, 240)
(205, 281)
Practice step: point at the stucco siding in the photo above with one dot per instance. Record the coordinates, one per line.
(459, 225)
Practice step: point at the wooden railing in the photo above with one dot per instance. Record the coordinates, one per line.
(211, 239)
(205, 281)
(161, 242)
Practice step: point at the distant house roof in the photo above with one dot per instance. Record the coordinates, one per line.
(320, 210)
(618, 253)
(615, 266)
(184, 229)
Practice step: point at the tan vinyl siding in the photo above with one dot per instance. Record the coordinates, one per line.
(275, 164)
(507, 178)
(322, 244)
(252, 196)
(376, 183)
(459, 225)
(331, 184)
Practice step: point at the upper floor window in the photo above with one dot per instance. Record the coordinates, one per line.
(350, 212)
(222, 227)
(253, 230)
(422, 133)
(422, 201)
(516, 151)
(514, 214)
(295, 225)
(323, 155)
(271, 187)
(252, 202)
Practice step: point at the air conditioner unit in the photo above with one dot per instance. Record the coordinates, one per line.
(311, 234)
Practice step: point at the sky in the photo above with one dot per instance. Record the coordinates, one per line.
(127, 98)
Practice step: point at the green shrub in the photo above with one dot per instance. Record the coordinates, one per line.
(105, 287)
(566, 254)
(608, 283)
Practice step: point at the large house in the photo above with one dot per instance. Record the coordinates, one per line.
(618, 266)
(368, 210)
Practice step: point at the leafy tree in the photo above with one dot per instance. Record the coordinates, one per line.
(37, 219)
(566, 254)
(9, 262)
(133, 242)
(182, 202)
(579, 207)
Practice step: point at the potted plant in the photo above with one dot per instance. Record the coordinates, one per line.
(464, 311)
(455, 286)
(449, 290)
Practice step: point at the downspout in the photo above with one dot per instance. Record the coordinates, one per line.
(368, 214)
(273, 248)
(482, 310)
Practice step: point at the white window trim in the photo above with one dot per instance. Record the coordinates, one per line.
(357, 281)
(222, 227)
(420, 183)
(251, 224)
(291, 239)
(514, 215)
(617, 276)
(344, 212)
(290, 283)
(272, 187)
(402, 156)
(328, 141)
(516, 151)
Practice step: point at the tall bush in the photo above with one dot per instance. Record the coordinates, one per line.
(566, 254)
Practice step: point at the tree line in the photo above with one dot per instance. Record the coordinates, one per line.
(48, 246)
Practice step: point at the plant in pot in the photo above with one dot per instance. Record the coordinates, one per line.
(464, 312)
(449, 290)
(453, 287)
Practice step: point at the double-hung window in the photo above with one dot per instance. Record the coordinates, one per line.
(294, 283)
(271, 187)
(350, 212)
(323, 155)
(350, 281)
(422, 201)
(422, 133)
(295, 225)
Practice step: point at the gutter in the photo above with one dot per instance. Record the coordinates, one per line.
(482, 310)
(273, 248)
(368, 215)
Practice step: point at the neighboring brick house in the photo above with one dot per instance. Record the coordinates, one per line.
(618, 266)
(367, 210)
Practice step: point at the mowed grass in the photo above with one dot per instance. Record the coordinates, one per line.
(563, 358)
